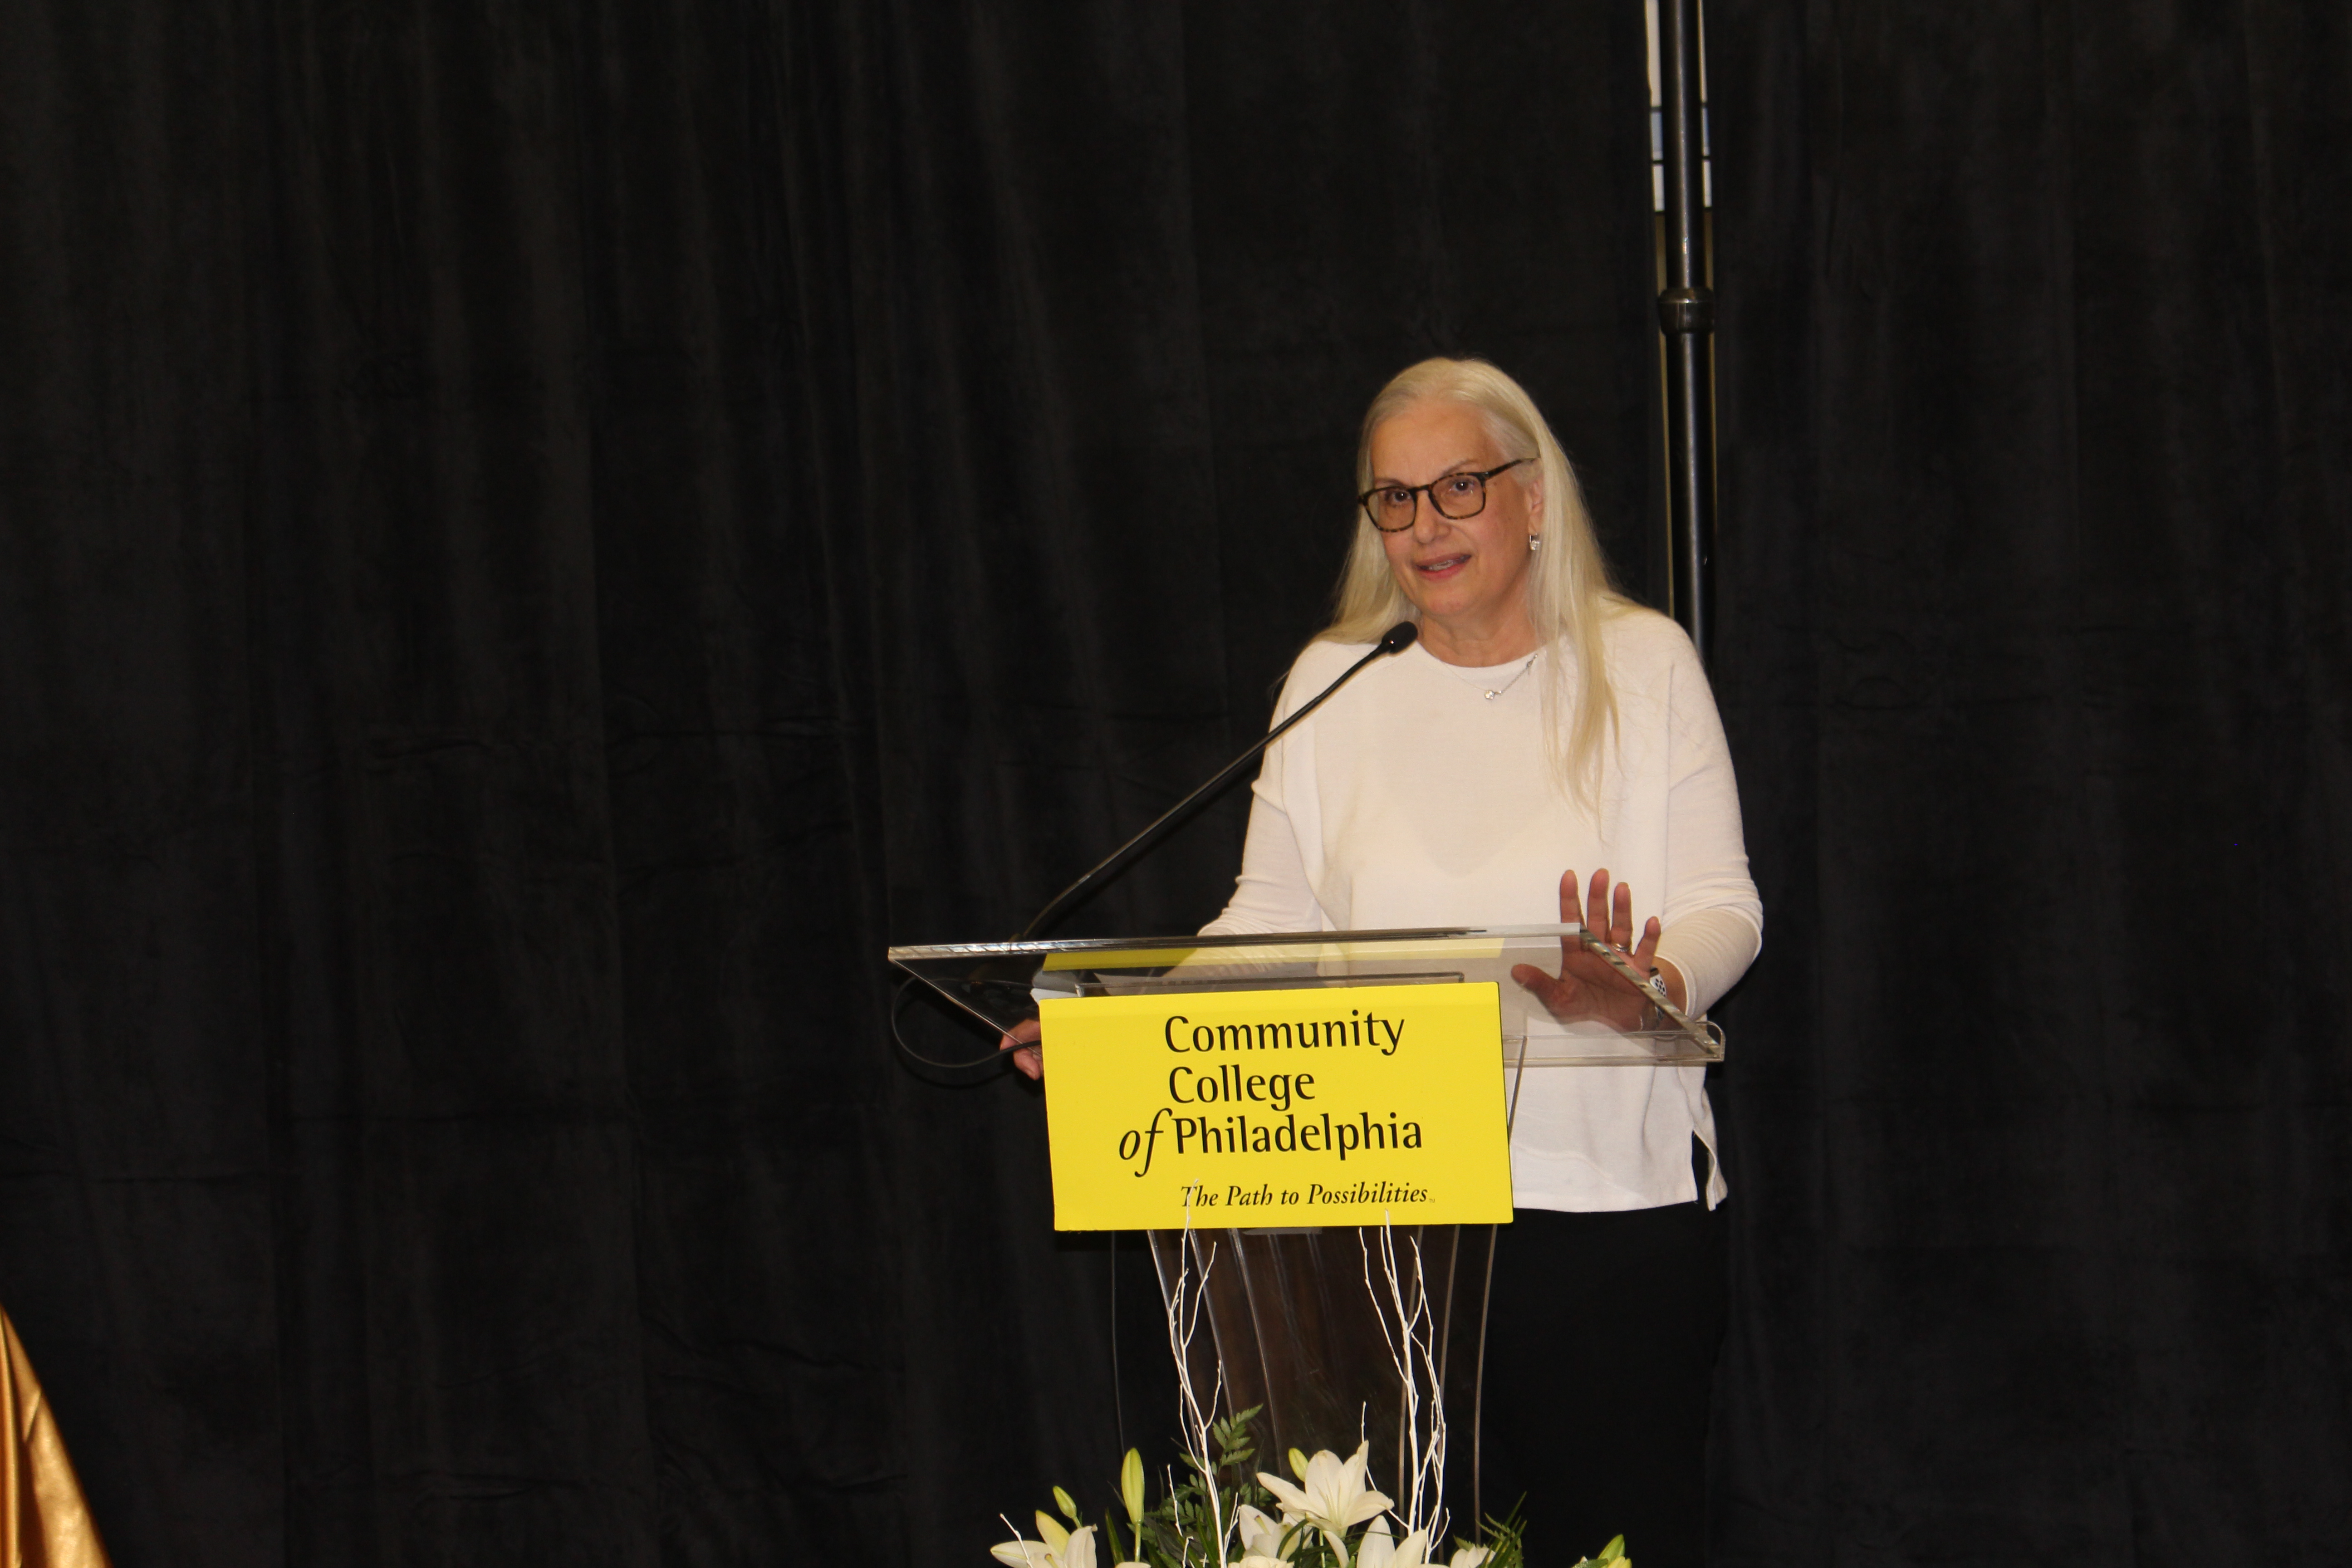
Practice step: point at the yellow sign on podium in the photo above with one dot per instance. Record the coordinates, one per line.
(1339, 1105)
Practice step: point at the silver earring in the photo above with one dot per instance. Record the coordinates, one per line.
(1534, 541)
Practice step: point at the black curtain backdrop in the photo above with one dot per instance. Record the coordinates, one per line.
(538, 540)
(2036, 477)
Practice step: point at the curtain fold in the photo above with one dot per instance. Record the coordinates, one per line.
(44, 1521)
(539, 540)
(2032, 653)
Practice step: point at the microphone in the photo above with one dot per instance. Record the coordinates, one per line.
(1396, 639)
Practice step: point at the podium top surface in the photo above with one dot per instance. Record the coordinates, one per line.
(1001, 983)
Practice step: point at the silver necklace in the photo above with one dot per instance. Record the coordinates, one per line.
(1498, 690)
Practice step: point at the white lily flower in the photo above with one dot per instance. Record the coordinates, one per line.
(1469, 1556)
(1331, 1496)
(1378, 1549)
(1060, 1549)
(1261, 1534)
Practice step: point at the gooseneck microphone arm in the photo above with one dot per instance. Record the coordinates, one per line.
(1396, 639)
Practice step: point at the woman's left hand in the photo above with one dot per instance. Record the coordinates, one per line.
(1028, 1056)
(1588, 985)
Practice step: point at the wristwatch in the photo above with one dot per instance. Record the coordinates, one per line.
(1654, 1013)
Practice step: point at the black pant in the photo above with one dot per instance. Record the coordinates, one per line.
(1601, 1333)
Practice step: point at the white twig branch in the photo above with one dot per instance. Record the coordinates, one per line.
(1413, 1349)
(1185, 1300)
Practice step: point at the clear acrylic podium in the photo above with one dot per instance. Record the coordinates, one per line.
(1294, 1327)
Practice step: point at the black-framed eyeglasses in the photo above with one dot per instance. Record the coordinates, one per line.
(1392, 507)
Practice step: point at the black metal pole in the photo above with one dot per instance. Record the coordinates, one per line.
(1686, 311)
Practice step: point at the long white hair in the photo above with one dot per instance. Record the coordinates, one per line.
(1570, 595)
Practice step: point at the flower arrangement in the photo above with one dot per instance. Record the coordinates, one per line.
(1328, 1517)
(1220, 1512)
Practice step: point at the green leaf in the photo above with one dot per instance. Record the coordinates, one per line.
(1507, 1537)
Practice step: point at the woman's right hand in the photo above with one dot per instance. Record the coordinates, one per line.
(1022, 1039)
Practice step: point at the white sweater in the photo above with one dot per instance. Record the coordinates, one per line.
(1410, 799)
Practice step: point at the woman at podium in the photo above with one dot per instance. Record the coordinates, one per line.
(1546, 749)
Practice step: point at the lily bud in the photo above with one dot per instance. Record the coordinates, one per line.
(1298, 1464)
(1130, 1485)
(1062, 1500)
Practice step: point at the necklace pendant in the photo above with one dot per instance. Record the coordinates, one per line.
(1493, 692)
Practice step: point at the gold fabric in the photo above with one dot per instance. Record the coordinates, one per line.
(42, 1521)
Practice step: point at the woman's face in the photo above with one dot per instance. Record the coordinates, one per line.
(1467, 576)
